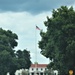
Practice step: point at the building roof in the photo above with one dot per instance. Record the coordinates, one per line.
(39, 65)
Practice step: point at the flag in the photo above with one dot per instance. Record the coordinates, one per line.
(38, 28)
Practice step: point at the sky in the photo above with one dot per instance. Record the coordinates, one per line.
(22, 16)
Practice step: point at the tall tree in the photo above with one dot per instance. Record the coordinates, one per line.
(58, 42)
(9, 60)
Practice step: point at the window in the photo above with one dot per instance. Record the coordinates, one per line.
(32, 73)
(36, 68)
(41, 73)
(45, 68)
(18, 73)
(41, 69)
(32, 69)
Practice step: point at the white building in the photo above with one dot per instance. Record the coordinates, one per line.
(38, 69)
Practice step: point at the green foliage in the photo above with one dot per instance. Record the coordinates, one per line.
(49, 72)
(58, 43)
(5, 60)
(10, 60)
(24, 58)
(24, 72)
(35, 62)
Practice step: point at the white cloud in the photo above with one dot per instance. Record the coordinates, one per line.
(23, 24)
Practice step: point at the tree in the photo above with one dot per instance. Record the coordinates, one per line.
(58, 42)
(25, 72)
(21, 61)
(5, 60)
(24, 58)
(49, 72)
(10, 59)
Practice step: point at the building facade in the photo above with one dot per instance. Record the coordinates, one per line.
(37, 69)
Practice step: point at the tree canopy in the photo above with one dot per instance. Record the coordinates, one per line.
(58, 42)
(10, 59)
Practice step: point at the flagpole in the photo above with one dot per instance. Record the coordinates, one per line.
(36, 64)
(35, 44)
(35, 50)
(37, 28)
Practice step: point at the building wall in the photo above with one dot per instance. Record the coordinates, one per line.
(39, 70)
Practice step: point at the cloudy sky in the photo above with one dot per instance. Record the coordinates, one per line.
(22, 16)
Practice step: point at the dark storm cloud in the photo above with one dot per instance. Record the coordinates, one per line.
(32, 6)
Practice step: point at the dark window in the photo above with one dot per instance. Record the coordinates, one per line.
(37, 73)
(18, 73)
(32, 69)
(45, 68)
(36, 68)
(41, 73)
(55, 74)
(41, 69)
(32, 73)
